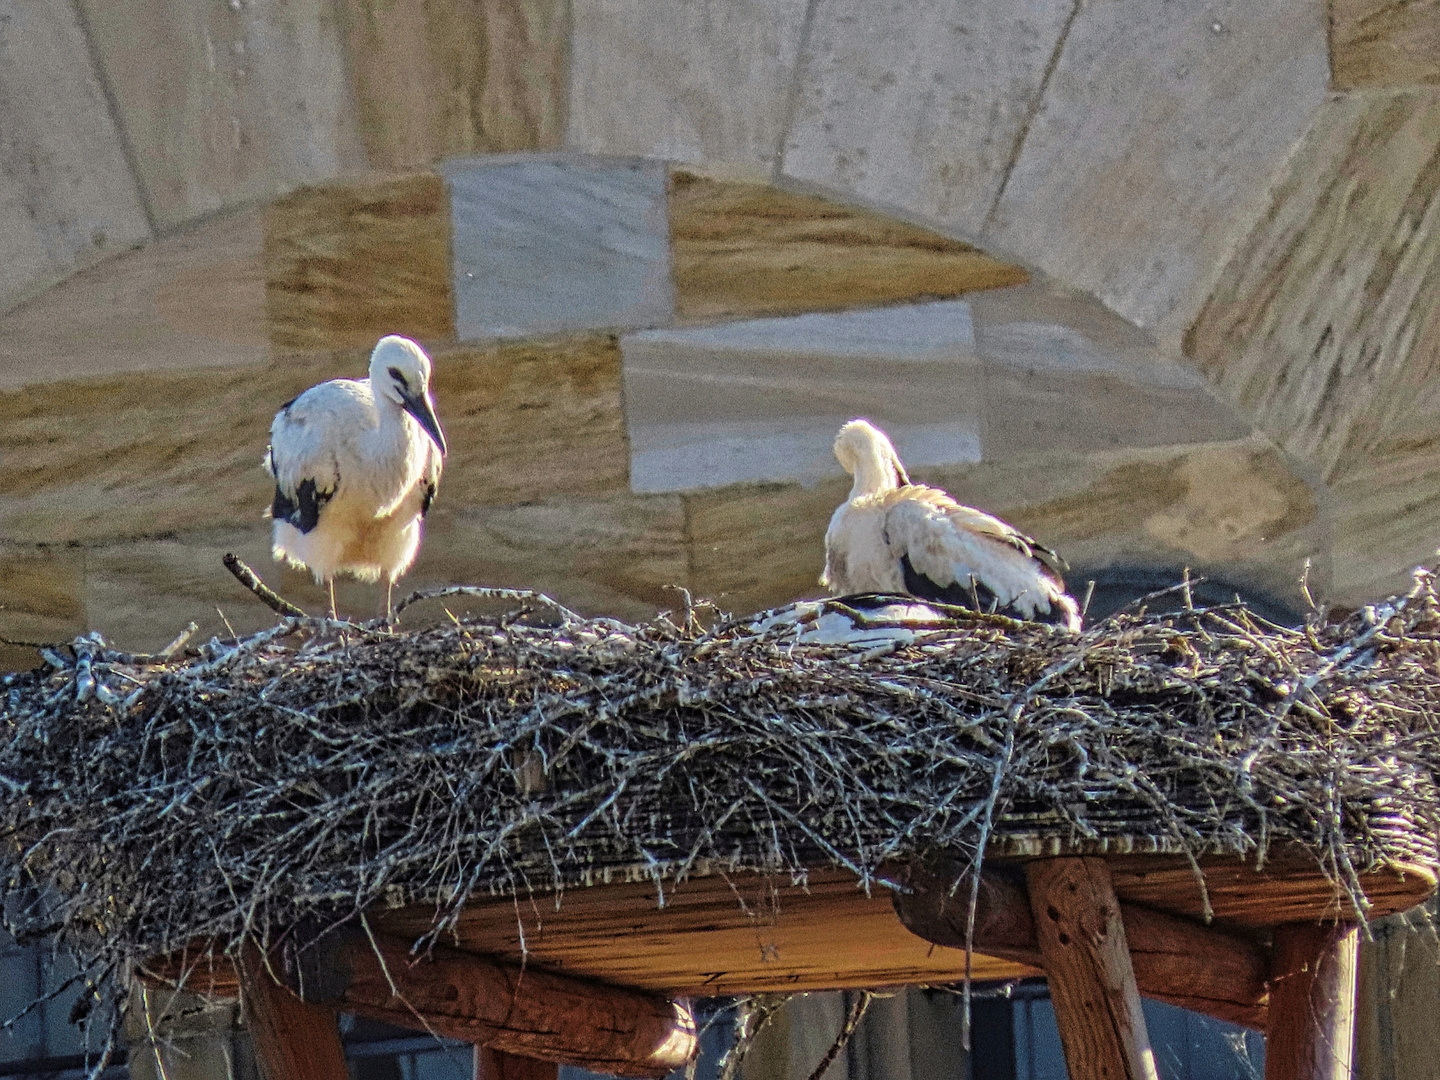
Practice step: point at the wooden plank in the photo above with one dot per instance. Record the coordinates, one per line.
(1087, 963)
(1289, 888)
(513, 1009)
(497, 1065)
(1312, 1002)
(726, 934)
(294, 1040)
(1175, 960)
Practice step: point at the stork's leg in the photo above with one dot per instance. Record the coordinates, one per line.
(331, 583)
(389, 611)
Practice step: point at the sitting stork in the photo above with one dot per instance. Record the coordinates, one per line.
(892, 536)
(356, 463)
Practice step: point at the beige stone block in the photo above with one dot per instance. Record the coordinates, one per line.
(1229, 510)
(1380, 43)
(687, 82)
(433, 79)
(620, 555)
(188, 301)
(67, 195)
(1325, 326)
(1062, 373)
(922, 104)
(1157, 138)
(746, 249)
(349, 262)
(173, 452)
(754, 546)
(531, 420)
(1387, 521)
(143, 455)
(42, 600)
(226, 103)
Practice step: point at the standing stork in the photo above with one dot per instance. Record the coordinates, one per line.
(356, 463)
(893, 536)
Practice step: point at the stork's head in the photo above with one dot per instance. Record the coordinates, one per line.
(865, 452)
(400, 371)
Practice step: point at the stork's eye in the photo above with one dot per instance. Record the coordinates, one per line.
(395, 374)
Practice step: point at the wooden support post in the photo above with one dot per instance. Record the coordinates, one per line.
(293, 1040)
(1312, 1001)
(498, 1065)
(1087, 962)
(1175, 960)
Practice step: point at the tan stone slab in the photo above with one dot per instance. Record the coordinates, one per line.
(348, 262)
(1155, 143)
(531, 420)
(225, 103)
(745, 249)
(1325, 326)
(192, 300)
(686, 82)
(1232, 509)
(1387, 521)
(42, 599)
(432, 79)
(611, 555)
(171, 451)
(1379, 43)
(67, 195)
(620, 555)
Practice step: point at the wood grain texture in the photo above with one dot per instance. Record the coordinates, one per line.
(496, 1065)
(1087, 964)
(1312, 1002)
(1379, 43)
(1286, 889)
(1325, 326)
(435, 78)
(348, 262)
(1175, 960)
(1398, 999)
(293, 1040)
(752, 249)
(715, 935)
(512, 1008)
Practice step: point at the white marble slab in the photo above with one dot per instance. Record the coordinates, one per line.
(761, 400)
(557, 243)
(698, 81)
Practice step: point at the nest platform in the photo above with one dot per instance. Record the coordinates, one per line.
(541, 833)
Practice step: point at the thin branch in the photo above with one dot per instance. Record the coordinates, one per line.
(268, 596)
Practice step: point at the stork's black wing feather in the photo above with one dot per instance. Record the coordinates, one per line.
(303, 511)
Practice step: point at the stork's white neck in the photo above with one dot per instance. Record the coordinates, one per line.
(875, 471)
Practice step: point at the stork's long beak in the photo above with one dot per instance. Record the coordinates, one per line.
(418, 406)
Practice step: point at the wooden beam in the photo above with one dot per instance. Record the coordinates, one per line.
(520, 1011)
(1312, 1001)
(495, 1065)
(1087, 963)
(293, 1040)
(1175, 960)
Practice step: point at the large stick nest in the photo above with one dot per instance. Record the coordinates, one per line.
(321, 769)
